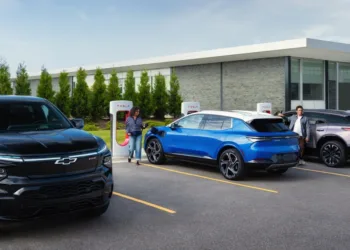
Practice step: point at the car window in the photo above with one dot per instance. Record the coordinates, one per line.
(326, 118)
(191, 121)
(269, 125)
(30, 116)
(216, 122)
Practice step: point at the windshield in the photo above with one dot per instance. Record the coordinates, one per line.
(30, 116)
(269, 125)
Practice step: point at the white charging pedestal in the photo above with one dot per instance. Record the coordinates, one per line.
(264, 107)
(119, 150)
(190, 107)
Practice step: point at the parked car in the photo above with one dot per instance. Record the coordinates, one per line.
(330, 135)
(48, 164)
(233, 141)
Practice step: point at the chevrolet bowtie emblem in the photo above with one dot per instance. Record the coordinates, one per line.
(66, 161)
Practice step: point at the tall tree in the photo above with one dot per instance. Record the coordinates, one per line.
(45, 86)
(160, 97)
(5, 78)
(98, 105)
(81, 96)
(63, 101)
(144, 96)
(130, 91)
(22, 81)
(114, 92)
(175, 99)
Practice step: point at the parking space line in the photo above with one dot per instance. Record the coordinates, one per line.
(323, 172)
(212, 179)
(145, 203)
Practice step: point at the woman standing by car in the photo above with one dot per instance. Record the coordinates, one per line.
(134, 127)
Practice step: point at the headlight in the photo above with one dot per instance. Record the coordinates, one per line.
(107, 161)
(3, 173)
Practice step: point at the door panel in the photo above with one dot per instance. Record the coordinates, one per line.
(185, 135)
(213, 134)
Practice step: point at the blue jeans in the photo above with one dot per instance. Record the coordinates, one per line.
(135, 144)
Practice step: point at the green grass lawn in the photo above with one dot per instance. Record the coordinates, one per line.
(106, 135)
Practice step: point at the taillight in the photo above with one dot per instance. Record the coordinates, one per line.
(346, 128)
(270, 138)
(256, 139)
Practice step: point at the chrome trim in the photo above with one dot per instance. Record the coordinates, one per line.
(41, 159)
(58, 158)
(18, 159)
(204, 157)
(82, 155)
(11, 159)
(103, 149)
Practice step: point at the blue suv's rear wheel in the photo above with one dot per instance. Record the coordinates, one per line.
(154, 151)
(231, 164)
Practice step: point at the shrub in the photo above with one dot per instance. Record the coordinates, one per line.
(91, 127)
(153, 123)
(168, 121)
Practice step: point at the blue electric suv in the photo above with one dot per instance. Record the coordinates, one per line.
(234, 141)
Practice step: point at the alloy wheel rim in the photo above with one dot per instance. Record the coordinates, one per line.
(153, 151)
(331, 154)
(229, 164)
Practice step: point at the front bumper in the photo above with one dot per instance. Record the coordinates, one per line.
(24, 198)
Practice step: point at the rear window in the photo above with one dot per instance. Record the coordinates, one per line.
(269, 125)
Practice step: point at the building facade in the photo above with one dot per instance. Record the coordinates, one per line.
(308, 72)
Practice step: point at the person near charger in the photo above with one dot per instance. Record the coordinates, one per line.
(299, 124)
(134, 127)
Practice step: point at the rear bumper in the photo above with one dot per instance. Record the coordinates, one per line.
(275, 162)
(23, 198)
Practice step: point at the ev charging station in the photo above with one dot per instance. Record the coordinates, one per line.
(115, 107)
(190, 107)
(264, 107)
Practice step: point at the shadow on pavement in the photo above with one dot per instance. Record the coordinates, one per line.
(253, 175)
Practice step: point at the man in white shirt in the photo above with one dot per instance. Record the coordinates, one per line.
(300, 125)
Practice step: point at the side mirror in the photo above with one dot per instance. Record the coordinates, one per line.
(78, 123)
(173, 126)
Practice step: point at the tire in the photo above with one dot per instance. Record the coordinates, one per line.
(154, 151)
(333, 154)
(231, 164)
(277, 171)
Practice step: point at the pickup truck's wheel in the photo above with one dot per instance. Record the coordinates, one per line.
(154, 151)
(231, 164)
(333, 154)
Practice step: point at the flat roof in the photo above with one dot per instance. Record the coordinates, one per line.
(304, 47)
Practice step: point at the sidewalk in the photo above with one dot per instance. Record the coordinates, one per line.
(118, 159)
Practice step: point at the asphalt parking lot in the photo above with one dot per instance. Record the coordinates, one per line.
(186, 206)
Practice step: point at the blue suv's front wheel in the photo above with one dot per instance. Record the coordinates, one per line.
(154, 151)
(231, 164)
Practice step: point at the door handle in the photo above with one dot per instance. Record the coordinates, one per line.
(320, 129)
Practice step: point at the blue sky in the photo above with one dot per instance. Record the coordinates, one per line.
(68, 33)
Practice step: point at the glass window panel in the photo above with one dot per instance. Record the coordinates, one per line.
(295, 79)
(313, 80)
(332, 85)
(344, 86)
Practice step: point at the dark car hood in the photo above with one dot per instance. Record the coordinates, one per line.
(47, 142)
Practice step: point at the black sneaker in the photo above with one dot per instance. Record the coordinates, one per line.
(137, 163)
(129, 159)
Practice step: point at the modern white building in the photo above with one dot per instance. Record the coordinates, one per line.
(313, 73)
